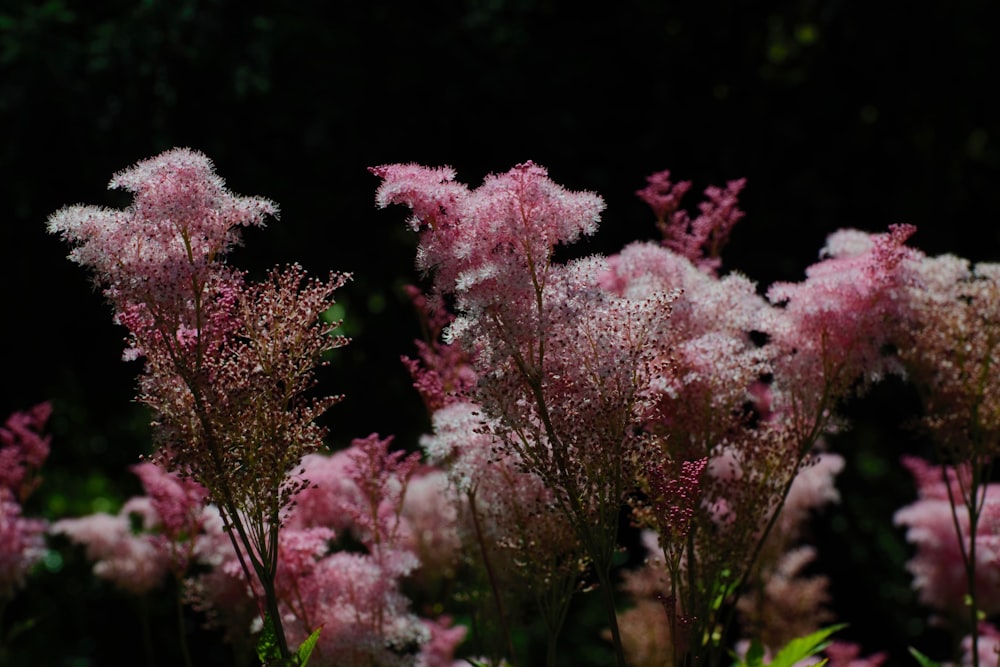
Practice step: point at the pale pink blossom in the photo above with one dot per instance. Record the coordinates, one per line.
(831, 330)
(938, 569)
(848, 654)
(22, 544)
(129, 559)
(229, 363)
(988, 646)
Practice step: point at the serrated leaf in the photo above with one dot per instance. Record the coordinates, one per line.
(923, 659)
(804, 647)
(306, 649)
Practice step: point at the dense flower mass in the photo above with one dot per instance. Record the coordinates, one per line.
(575, 408)
(643, 378)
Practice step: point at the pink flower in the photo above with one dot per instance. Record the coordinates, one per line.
(181, 221)
(988, 647)
(443, 373)
(430, 509)
(481, 242)
(948, 338)
(699, 240)
(831, 330)
(439, 651)
(847, 654)
(22, 544)
(130, 560)
(23, 449)
(229, 364)
(938, 569)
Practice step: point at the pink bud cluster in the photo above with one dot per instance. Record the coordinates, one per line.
(700, 240)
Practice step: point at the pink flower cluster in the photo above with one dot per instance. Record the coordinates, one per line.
(361, 492)
(23, 450)
(151, 536)
(644, 372)
(699, 240)
(939, 574)
(229, 363)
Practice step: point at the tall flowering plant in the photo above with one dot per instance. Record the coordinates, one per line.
(948, 338)
(228, 362)
(563, 366)
(643, 379)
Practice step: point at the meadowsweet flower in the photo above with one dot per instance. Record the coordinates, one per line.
(938, 568)
(699, 240)
(848, 654)
(987, 648)
(563, 366)
(831, 330)
(356, 496)
(21, 544)
(23, 450)
(228, 362)
(150, 537)
(785, 603)
(948, 342)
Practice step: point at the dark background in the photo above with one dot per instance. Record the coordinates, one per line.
(839, 114)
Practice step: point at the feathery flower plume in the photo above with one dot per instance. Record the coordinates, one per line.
(228, 362)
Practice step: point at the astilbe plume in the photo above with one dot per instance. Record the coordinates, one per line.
(563, 365)
(23, 450)
(228, 363)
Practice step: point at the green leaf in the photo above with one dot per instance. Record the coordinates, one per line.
(267, 644)
(753, 658)
(306, 649)
(803, 647)
(923, 659)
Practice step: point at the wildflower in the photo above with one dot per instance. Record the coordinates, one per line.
(228, 363)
